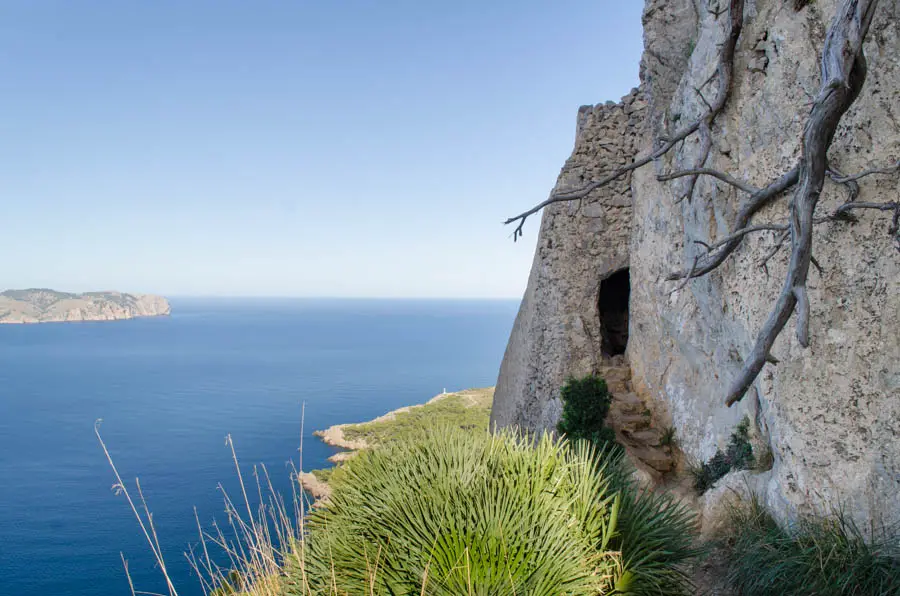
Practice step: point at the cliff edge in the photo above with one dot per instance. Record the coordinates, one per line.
(50, 306)
(598, 293)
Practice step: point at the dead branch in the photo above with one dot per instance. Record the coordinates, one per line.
(851, 185)
(743, 232)
(687, 278)
(587, 189)
(748, 209)
(838, 213)
(843, 70)
(815, 263)
(727, 178)
(842, 213)
(730, 238)
(724, 70)
(892, 169)
(764, 262)
(761, 197)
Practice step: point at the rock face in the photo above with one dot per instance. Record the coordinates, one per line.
(830, 413)
(46, 306)
(582, 244)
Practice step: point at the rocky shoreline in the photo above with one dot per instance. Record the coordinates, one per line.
(335, 436)
(319, 489)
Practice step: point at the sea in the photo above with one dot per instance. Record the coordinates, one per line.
(169, 390)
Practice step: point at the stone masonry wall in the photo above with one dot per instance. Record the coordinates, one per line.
(557, 331)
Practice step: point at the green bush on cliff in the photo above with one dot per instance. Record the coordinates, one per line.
(585, 406)
(655, 536)
(461, 513)
(469, 409)
(817, 557)
(737, 456)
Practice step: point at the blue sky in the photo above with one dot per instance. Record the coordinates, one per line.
(292, 148)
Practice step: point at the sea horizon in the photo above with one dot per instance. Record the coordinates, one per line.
(169, 389)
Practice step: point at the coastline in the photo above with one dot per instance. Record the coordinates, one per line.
(334, 435)
(469, 401)
(41, 305)
(319, 489)
(97, 319)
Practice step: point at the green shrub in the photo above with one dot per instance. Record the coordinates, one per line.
(737, 456)
(466, 409)
(819, 556)
(668, 438)
(455, 513)
(656, 536)
(740, 452)
(585, 406)
(323, 474)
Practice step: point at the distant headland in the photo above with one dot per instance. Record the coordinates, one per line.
(40, 305)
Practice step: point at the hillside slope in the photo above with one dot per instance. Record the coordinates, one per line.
(48, 306)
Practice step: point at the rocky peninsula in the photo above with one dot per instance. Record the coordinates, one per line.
(468, 409)
(38, 305)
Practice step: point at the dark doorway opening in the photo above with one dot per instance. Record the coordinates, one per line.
(612, 303)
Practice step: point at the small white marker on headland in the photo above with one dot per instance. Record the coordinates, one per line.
(445, 391)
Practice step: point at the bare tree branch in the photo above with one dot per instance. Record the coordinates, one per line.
(748, 209)
(724, 70)
(892, 169)
(892, 206)
(743, 232)
(730, 238)
(687, 278)
(727, 178)
(587, 189)
(843, 69)
(773, 251)
(802, 298)
(815, 263)
(838, 178)
(843, 213)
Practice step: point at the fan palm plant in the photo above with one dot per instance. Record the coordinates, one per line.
(461, 513)
(457, 513)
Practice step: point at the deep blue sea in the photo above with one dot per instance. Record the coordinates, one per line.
(170, 389)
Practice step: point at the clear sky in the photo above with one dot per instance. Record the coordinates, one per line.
(292, 147)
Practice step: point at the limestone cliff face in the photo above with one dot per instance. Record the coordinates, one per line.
(46, 306)
(829, 413)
